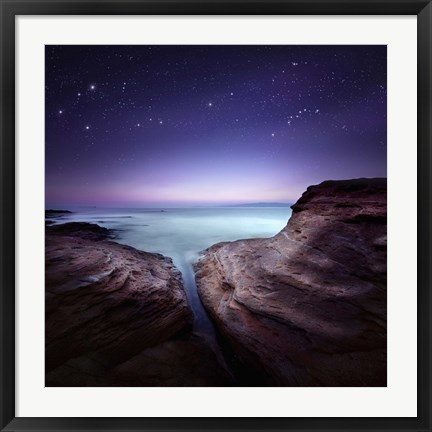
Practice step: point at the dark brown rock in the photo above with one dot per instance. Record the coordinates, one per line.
(52, 212)
(307, 307)
(116, 316)
(82, 230)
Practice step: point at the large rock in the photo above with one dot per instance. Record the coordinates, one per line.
(116, 316)
(307, 307)
(83, 230)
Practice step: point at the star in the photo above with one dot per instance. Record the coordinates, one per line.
(180, 91)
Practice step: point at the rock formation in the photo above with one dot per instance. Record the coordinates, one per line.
(307, 307)
(116, 316)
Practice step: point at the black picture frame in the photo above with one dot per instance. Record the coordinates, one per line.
(11, 8)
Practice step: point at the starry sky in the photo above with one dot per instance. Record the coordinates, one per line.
(149, 126)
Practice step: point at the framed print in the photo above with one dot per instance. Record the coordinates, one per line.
(215, 216)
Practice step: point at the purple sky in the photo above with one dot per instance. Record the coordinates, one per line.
(151, 126)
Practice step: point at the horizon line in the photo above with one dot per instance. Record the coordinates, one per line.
(65, 206)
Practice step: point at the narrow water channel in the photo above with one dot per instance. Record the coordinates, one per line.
(202, 322)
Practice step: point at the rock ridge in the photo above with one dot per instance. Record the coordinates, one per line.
(117, 316)
(307, 307)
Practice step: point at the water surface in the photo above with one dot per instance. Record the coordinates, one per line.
(182, 233)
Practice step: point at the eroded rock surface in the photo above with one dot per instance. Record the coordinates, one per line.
(116, 316)
(307, 307)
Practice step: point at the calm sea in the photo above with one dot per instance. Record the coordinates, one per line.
(182, 233)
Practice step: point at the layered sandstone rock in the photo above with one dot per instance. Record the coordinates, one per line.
(308, 306)
(116, 316)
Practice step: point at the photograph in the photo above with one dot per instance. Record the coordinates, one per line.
(215, 216)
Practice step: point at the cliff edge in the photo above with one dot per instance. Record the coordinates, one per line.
(307, 307)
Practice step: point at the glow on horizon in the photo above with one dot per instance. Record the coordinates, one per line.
(168, 197)
(187, 181)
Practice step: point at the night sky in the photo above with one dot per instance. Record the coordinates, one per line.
(186, 125)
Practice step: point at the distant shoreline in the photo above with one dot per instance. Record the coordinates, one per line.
(259, 205)
(161, 208)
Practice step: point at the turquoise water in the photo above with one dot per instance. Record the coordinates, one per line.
(182, 233)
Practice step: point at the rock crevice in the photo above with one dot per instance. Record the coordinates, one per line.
(116, 316)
